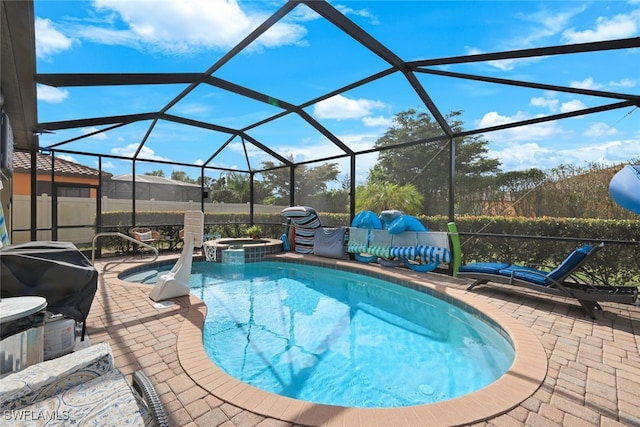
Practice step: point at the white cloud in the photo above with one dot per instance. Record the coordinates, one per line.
(340, 107)
(360, 141)
(545, 102)
(546, 23)
(503, 64)
(570, 106)
(539, 131)
(251, 150)
(377, 121)
(99, 136)
(50, 94)
(551, 103)
(49, 41)
(130, 150)
(192, 108)
(617, 27)
(624, 82)
(532, 28)
(549, 23)
(362, 13)
(599, 130)
(587, 83)
(309, 148)
(106, 165)
(68, 158)
(621, 151)
(521, 156)
(176, 26)
(492, 118)
(303, 13)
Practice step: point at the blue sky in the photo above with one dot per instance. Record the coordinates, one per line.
(303, 57)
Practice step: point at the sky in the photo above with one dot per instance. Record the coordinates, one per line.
(304, 57)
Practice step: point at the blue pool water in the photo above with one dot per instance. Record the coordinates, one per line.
(339, 338)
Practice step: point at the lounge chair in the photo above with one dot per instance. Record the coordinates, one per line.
(560, 281)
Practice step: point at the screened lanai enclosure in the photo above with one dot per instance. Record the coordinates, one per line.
(332, 106)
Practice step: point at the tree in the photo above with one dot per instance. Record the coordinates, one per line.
(378, 197)
(235, 187)
(209, 182)
(518, 189)
(239, 185)
(158, 172)
(182, 176)
(310, 182)
(425, 164)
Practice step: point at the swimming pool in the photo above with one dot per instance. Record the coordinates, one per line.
(335, 337)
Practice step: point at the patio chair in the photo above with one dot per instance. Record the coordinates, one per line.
(560, 281)
(146, 235)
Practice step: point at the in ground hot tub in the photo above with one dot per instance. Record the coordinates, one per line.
(254, 249)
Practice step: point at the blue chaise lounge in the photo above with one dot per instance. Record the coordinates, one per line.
(560, 281)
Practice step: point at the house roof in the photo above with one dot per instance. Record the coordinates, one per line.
(22, 163)
(153, 179)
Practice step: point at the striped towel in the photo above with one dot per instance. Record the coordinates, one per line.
(4, 236)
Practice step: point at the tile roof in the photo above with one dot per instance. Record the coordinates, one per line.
(22, 163)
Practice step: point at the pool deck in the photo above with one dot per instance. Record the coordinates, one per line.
(591, 374)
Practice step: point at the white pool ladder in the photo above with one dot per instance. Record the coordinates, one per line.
(176, 282)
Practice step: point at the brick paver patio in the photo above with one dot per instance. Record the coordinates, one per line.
(593, 375)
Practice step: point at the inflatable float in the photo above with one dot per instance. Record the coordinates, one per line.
(359, 236)
(624, 188)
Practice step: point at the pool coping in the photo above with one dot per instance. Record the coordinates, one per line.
(521, 380)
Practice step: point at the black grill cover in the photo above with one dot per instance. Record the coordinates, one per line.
(56, 271)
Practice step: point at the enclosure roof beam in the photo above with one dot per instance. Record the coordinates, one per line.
(248, 93)
(197, 123)
(96, 121)
(531, 53)
(332, 15)
(87, 135)
(116, 79)
(576, 113)
(324, 131)
(266, 149)
(520, 83)
(426, 99)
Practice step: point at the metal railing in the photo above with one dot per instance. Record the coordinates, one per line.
(124, 236)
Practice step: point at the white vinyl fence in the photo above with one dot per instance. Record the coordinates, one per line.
(82, 211)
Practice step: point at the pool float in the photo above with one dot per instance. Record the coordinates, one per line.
(430, 256)
(388, 216)
(406, 223)
(624, 188)
(394, 222)
(359, 235)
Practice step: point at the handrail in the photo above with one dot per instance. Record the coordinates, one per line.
(124, 236)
